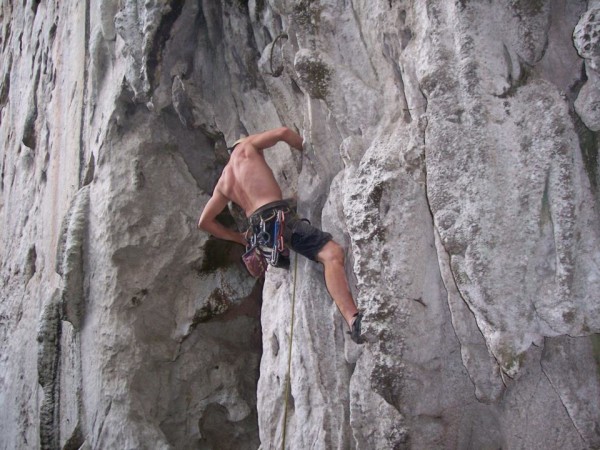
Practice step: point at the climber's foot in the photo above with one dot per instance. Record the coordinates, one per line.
(355, 329)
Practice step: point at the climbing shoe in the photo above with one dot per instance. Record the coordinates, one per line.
(355, 329)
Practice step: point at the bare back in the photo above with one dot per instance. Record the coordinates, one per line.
(247, 179)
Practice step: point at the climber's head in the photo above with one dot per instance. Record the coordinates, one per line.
(232, 148)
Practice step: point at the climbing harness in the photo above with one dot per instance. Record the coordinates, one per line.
(270, 246)
(288, 380)
(265, 242)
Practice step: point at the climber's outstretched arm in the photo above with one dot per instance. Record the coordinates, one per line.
(270, 138)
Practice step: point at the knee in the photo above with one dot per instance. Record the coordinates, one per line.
(332, 253)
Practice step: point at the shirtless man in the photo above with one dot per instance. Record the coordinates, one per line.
(249, 182)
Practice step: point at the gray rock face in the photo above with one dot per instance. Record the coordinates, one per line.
(586, 37)
(450, 147)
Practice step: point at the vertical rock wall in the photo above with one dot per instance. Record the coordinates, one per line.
(450, 147)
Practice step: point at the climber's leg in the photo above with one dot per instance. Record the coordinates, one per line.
(332, 257)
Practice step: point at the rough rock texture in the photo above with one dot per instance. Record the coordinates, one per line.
(451, 147)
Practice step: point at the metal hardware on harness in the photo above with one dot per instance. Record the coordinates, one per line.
(261, 238)
(278, 237)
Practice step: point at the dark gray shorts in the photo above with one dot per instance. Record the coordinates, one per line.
(303, 238)
(299, 234)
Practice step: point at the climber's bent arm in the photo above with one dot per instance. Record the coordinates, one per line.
(208, 220)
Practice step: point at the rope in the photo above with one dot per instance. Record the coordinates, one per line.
(289, 367)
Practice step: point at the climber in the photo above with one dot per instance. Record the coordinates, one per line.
(248, 181)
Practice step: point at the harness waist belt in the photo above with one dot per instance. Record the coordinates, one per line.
(266, 212)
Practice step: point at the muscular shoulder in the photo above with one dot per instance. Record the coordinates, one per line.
(225, 180)
(245, 150)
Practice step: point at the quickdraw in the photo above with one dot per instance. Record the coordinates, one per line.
(278, 232)
(261, 239)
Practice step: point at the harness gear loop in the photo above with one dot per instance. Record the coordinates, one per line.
(288, 381)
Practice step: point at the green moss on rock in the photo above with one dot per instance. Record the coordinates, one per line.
(315, 76)
(307, 12)
(528, 8)
(510, 361)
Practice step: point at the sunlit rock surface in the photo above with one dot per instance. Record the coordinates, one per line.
(450, 147)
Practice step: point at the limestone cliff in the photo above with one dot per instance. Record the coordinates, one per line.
(450, 146)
